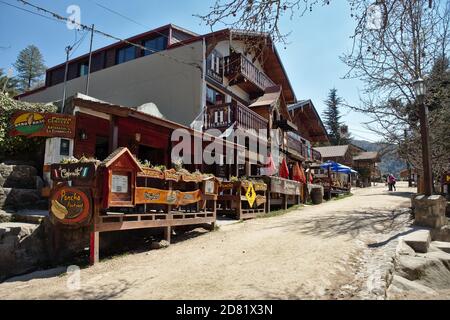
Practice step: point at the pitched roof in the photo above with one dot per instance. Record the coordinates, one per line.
(332, 151)
(310, 117)
(367, 156)
(117, 154)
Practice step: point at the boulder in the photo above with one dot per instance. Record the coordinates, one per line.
(430, 269)
(404, 249)
(22, 199)
(429, 212)
(441, 234)
(419, 240)
(21, 248)
(17, 176)
(400, 284)
(441, 245)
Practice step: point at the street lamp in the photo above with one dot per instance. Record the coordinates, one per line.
(420, 88)
(420, 91)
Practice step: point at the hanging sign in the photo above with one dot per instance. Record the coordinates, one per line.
(38, 124)
(70, 206)
(72, 171)
(251, 195)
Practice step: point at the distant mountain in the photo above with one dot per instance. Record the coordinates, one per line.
(390, 161)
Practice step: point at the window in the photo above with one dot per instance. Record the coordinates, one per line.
(83, 68)
(155, 45)
(214, 97)
(218, 116)
(64, 147)
(126, 54)
(215, 66)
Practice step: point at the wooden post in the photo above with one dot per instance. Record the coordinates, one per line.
(94, 250)
(285, 201)
(167, 233)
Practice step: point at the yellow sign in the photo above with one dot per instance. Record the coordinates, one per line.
(251, 195)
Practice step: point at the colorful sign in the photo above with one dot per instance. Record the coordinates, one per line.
(70, 206)
(251, 195)
(37, 124)
(158, 196)
(72, 171)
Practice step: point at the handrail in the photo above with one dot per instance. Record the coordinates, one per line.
(238, 63)
(234, 112)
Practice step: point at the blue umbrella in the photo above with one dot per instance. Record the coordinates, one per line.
(336, 167)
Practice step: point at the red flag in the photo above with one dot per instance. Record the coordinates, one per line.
(270, 169)
(284, 171)
(298, 174)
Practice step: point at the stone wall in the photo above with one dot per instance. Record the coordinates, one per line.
(20, 187)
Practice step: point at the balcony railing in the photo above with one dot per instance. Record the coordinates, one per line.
(240, 69)
(297, 144)
(317, 156)
(224, 115)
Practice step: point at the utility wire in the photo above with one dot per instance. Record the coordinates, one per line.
(29, 11)
(85, 27)
(132, 20)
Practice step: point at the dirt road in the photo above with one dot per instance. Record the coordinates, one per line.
(340, 249)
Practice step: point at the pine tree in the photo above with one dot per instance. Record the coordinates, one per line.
(332, 117)
(30, 67)
(9, 85)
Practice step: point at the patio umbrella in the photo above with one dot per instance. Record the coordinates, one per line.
(284, 170)
(336, 167)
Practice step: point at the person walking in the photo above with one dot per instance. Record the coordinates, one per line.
(394, 181)
(391, 182)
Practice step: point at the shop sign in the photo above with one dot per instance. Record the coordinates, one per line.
(72, 171)
(70, 205)
(37, 124)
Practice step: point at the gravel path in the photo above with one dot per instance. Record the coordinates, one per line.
(338, 250)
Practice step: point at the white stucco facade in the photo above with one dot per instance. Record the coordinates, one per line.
(171, 80)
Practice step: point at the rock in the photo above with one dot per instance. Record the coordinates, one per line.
(5, 216)
(17, 176)
(21, 198)
(159, 245)
(444, 246)
(21, 248)
(429, 211)
(418, 240)
(404, 249)
(431, 269)
(441, 234)
(400, 284)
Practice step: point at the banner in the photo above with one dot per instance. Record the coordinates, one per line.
(37, 124)
(170, 197)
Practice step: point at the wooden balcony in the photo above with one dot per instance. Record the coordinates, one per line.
(241, 71)
(297, 145)
(225, 115)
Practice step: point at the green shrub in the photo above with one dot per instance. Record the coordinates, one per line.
(18, 147)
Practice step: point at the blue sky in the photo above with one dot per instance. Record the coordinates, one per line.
(311, 58)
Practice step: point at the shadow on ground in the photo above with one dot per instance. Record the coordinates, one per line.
(98, 292)
(352, 223)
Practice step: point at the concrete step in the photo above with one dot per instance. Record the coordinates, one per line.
(444, 246)
(419, 240)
